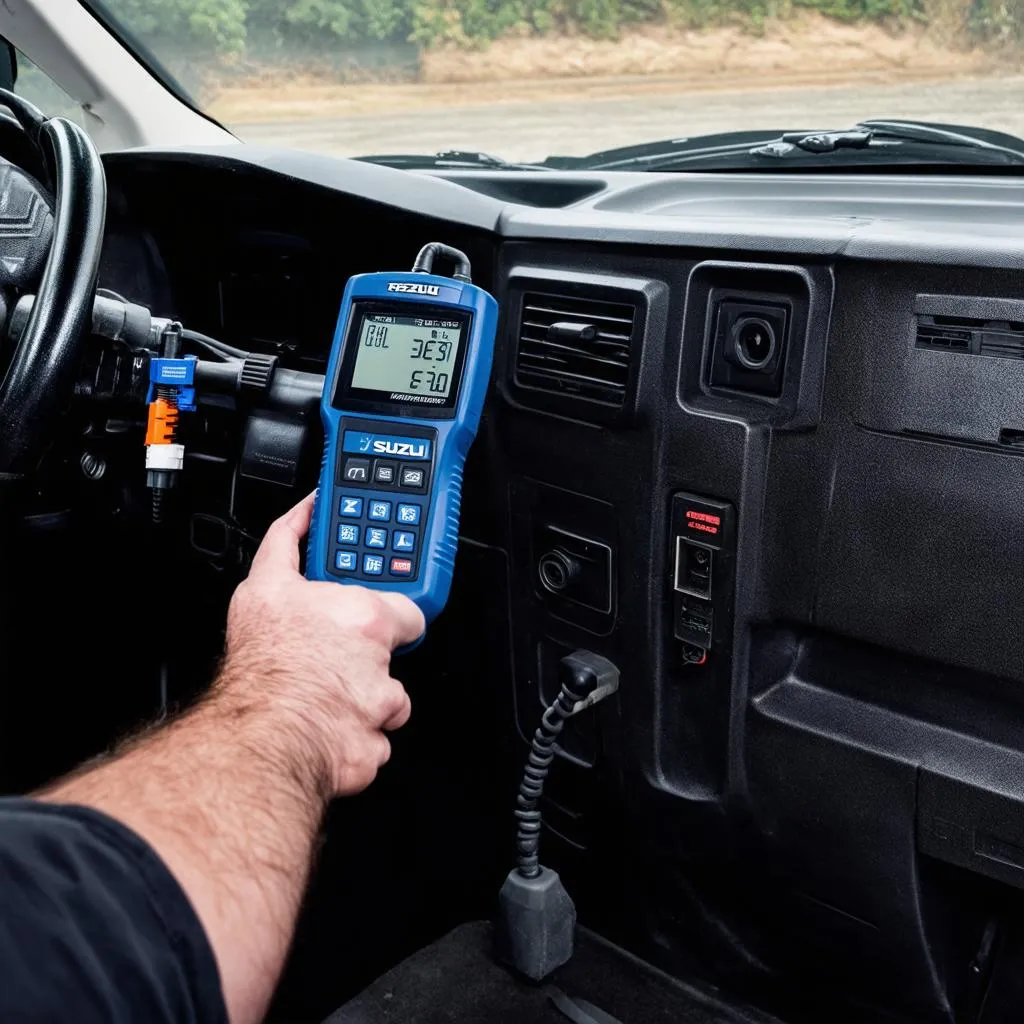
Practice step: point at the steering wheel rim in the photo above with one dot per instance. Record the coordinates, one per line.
(41, 373)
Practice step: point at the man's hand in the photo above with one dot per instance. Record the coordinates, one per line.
(316, 657)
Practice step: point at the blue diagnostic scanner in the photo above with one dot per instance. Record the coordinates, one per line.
(405, 386)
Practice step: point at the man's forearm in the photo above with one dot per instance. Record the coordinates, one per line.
(232, 799)
(232, 794)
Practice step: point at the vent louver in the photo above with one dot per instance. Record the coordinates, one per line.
(999, 338)
(576, 346)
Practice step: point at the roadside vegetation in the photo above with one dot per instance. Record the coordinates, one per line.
(236, 31)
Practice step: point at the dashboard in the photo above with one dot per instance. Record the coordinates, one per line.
(779, 484)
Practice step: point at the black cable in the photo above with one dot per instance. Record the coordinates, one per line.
(542, 753)
(213, 345)
(424, 263)
(212, 350)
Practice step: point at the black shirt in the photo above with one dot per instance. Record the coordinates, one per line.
(93, 926)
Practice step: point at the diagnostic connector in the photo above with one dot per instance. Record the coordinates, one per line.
(178, 374)
(171, 392)
(536, 916)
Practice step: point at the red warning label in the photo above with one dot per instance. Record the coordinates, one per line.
(704, 522)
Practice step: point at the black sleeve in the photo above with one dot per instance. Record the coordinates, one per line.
(93, 926)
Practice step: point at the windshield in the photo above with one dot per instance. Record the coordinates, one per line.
(527, 80)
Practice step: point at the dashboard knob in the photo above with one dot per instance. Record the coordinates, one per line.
(557, 570)
(257, 372)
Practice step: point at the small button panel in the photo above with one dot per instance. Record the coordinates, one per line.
(704, 550)
(381, 500)
(375, 537)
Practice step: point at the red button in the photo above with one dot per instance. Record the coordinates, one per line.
(401, 566)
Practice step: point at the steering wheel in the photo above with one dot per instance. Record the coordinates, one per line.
(41, 373)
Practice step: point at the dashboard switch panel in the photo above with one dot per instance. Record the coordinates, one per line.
(703, 543)
(566, 557)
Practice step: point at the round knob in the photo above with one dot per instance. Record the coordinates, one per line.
(257, 372)
(557, 570)
(753, 343)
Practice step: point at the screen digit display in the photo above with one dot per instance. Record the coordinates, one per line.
(407, 358)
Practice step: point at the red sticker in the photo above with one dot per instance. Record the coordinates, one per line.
(705, 522)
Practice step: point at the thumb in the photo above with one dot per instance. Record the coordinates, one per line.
(279, 550)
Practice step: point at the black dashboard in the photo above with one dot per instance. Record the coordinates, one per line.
(804, 555)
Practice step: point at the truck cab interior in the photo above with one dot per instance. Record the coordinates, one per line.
(754, 440)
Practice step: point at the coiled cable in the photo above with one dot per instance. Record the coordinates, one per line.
(542, 752)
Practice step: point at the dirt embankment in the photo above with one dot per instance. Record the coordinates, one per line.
(808, 43)
(805, 51)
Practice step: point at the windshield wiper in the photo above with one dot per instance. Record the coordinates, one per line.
(875, 142)
(877, 132)
(813, 142)
(454, 159)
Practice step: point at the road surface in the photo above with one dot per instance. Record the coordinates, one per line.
(517, 130)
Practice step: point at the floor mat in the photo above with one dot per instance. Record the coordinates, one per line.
(456, 981)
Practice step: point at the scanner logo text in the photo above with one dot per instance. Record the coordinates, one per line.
(415, 287)
(406, 448)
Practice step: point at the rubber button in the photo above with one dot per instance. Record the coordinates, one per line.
(408, 515)
(356, 471)
(348, 533)
(404, 540)
(351, 508)
(413, 477)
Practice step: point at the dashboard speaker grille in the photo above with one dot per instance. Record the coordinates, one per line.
(1000, 338)
(576, 346)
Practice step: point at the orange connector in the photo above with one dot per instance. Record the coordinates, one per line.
(162, 427)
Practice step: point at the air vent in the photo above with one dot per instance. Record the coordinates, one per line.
(1000, 338)
(576, 347)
